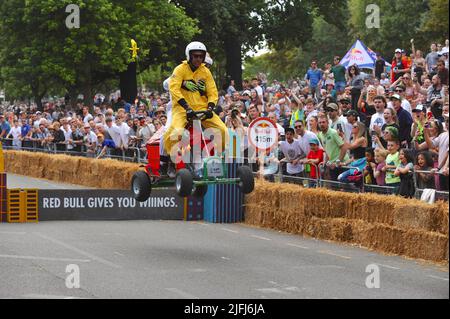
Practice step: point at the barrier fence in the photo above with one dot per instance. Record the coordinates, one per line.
(359, 186)
(136, 154)
(130, 154)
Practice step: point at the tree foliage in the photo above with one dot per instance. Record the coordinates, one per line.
(38, 50)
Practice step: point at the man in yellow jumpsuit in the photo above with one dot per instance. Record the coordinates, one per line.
(192, 88)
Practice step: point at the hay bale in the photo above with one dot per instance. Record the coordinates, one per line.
(425, 245)
(337, 229)
(381, 237)
(71, 169)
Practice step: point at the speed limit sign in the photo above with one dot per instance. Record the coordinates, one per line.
(263, 134)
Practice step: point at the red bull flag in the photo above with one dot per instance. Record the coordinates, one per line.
(360, 55)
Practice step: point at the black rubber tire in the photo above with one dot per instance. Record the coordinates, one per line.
(200, 191)
(247, 180)
(184, 182)
(141, 187)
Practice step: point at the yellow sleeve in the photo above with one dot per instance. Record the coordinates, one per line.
(176, 80)
(211, 88)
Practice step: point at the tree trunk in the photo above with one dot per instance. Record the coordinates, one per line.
(233, 54)
(38, 96)
(128, 83)
(73, 93)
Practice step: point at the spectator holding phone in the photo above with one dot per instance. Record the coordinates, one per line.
(420, 122)
(400, 66)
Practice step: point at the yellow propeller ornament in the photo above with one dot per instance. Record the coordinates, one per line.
(134, 50)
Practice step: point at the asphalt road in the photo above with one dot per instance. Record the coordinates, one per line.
(19, 181)
(176, 259)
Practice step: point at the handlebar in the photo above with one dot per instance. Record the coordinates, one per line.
(199, 115)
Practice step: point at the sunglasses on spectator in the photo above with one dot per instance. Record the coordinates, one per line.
(399, 91)
(298, 126)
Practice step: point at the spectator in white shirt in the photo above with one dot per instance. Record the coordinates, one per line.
(16, 134)
(114, 131)
(303, 136)
(86, 115)
(293, 153)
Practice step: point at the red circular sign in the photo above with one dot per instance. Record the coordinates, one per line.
(263, 134)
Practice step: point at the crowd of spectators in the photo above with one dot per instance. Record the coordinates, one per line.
(377, 127)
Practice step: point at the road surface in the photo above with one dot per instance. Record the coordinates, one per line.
(177, 259)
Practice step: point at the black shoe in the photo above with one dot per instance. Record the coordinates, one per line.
(171, 171)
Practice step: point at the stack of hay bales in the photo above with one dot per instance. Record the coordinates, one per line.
(390, 224)
(103, 173)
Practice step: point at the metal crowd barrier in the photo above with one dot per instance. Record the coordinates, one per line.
(53, 148)
(439, 194)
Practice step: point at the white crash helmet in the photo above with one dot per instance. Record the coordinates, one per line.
(208, 60)
(194, 46)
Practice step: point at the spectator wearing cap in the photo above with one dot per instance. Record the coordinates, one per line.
(420, 121)
(292, 153)
(400, 91)
(315, 156)
(404, 121)
(332, 110)
(37, 120)
(400, 65)
(349, 118)
(334, 147)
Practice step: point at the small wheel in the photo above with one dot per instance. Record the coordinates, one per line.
(184, 182)
(247, 181)
(199, 191)
(141, 186)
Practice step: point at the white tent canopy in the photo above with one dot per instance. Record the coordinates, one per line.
(360, 55)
